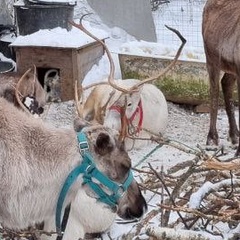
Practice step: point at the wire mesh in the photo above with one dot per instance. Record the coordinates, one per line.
(185, 16)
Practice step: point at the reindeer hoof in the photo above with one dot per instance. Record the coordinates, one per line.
(212, 139)
(93, 235)
(233, 140)
(212, 142)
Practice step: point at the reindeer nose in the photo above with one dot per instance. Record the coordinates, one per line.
(132, 213)
(135, 214)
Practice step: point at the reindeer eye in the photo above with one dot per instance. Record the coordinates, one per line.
(129, 104)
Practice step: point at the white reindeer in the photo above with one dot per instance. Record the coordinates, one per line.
(140, 106)
(35, 160)
(146, 110)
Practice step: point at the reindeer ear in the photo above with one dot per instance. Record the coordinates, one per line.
(103, 144)
(89, 116)
(79, 124)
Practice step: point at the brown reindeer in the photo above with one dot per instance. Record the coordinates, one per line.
(36, 160)
(23, 91)
(220, 29)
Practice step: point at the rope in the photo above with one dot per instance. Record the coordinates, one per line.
(190, 150)
(148, 155)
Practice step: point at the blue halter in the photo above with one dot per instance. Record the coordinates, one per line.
(89, 170)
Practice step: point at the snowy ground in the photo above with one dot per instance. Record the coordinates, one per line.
(185, 126)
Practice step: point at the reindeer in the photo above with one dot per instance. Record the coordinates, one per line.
(143, 105)
(38, 162)
(220, 28)
(104, 103)
(23, 91)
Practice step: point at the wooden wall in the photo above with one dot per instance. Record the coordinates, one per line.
(72, 63)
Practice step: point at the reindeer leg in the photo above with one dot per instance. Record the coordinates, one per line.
(238, 86)
(227, 82)
(214, 73)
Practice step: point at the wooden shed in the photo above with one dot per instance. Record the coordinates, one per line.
(70, 62)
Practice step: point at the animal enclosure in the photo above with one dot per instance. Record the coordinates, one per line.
(186, 16)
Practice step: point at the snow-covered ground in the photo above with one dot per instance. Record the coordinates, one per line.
(185, 126)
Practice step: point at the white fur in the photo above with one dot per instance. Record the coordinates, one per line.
(35, 160)
(155, 110)
(86, 216)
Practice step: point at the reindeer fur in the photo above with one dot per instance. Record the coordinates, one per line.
(29, 87)
(36, 158)
(155, 110)
(220, 30)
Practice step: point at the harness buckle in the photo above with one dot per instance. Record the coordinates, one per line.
(89, 169)
(120, 191)
(132, 130)
(83, 147)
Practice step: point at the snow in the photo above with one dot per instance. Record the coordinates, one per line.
(196, 198)
(184, 127)
(207, 187)
(68, 2)
(59, 38)
(156, 50)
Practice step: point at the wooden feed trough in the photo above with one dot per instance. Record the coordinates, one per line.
(186, 83)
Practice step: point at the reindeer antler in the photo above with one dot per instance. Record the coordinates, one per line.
(162, 73)
(17, 90)
(79, 106)
(112, 67)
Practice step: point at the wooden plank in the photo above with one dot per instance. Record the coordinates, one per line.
(73, 64)
(87, 57)
(42, 57)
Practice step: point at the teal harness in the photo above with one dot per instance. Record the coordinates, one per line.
(89, 171)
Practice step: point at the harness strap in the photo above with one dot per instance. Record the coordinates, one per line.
(116, 189)
(68, 183)
(138, 110)
(64, 221)
(89, 170)
(116, 108)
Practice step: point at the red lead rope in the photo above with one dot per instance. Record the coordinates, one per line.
(138, 110)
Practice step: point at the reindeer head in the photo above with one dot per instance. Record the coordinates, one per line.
(29, 93)
(113, 161)
(125, 106)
